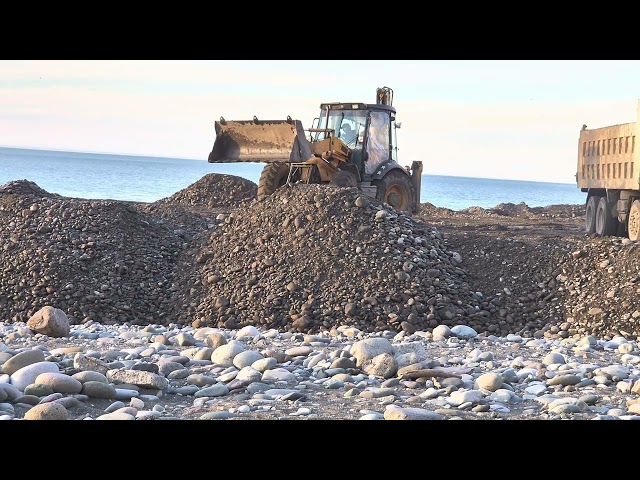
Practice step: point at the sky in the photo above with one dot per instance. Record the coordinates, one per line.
(505, 119)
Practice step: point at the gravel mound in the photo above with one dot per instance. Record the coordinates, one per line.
(213, 191)
(306, 259)
(24, 187)
(102, 260)
(313, 257)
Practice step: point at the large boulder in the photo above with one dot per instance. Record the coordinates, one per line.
(50, 321)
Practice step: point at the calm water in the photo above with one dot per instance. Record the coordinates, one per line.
(147, 179)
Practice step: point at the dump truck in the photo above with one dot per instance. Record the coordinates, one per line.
(348, 144)
(609, 173)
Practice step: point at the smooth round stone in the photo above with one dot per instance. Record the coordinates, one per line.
(185, 340)
(564, 380)
(116, 416)
(257, 388)
(98, 389)
(28, 399)
(178, 374)
(129, 410)
(279, 375)
(52, 397)
(302, 411)
(4, 356)
(147, 352)
(247, 332)
(481, 408)
(147, 414)
(217, 415)
(145, 367)
(202, 332)
(501, 395)
(248, 375)
(10, 391)
(343, 363)
(215, 340)
(90, 376)
(47, 411)
(565, 408)
(114, 406)
(264, 364)
(167, 353)
(21, 360)
(223, 355)
(27, 375)
(59, 382)
(372, 416)
(553, 358)
(301, 351)
(217, 390)
(65, 351)
(200, 379)
(203, 353)
(69, 402)
(246, 358)
(197, 363)
(125, 393)
(149, 398)
(166, 368)
(228, 376)
(185, 390)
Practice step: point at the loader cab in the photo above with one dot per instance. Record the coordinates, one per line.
(368, 130)
(345, 121)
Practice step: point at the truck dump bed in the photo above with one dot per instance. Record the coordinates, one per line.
(607, 158)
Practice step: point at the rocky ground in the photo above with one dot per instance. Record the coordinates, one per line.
(323, 268)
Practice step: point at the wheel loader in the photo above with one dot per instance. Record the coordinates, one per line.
(349, 144)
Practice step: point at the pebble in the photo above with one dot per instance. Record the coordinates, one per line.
(338, 374)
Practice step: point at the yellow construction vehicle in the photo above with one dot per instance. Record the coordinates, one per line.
(608, 171)
(349, 144)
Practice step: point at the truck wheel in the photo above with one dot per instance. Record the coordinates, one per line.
(590, 214)
(395, 189)
(633, 226)
(273, 176)
(606, 223)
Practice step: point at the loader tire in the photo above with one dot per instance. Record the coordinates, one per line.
(395, 188)
(343, 178)
(273, 176)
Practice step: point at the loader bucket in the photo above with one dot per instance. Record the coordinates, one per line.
(266, 141)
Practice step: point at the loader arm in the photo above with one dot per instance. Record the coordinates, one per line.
(266, 141)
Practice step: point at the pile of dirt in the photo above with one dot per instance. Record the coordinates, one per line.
(214, 191)
(310, 258)
(24, 187)
(93, 259)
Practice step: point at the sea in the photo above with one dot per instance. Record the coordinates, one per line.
(147, 179)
